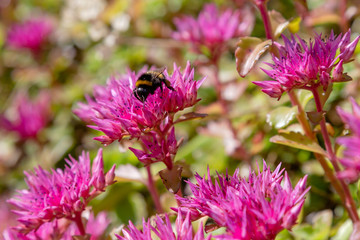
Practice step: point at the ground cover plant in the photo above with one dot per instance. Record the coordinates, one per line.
(177, 119)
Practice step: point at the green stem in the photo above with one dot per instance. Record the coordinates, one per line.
(349, 201)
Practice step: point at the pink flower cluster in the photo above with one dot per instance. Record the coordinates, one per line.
(31, 34)
(163, 230)
(351, 159)
(212, 29)
(256, 208)
(62, 229)
(307, 66)
(118, 113)
(60, 193)
(30, 116)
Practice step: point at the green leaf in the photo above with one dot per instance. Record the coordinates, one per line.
(283, 235)
(344, 231)
(129, 173)
(294, 25)
(304, 97)
(278, 23)
(281, 116)
(319, 230)
(248, 52)
(190, 116)
(297, 140)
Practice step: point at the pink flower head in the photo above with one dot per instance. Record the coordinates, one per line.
(351, 159)
(60, 193)
(31, 34)
(307, 66)
(257, 208)
(212, 29)
(117, 112)
(163, 230)
(30, 116)
(62, 229)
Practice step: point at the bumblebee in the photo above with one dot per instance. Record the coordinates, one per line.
(148, 83)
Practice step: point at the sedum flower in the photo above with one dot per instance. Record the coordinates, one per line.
(63, 229)
(308, 66)
(163, 230)
(351, 158)
(212, 29)
(60, 193)
(118, 113)
(27, 116)
(255, 208)
(31, 34)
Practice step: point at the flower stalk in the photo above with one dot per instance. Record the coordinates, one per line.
(309, 133)
(153, 191)
(266, 19)
(349, 201)
(77, 219)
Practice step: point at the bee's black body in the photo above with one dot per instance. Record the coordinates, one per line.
(148, 83)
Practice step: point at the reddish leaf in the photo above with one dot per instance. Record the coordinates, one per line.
(171, 178)
(315, 117)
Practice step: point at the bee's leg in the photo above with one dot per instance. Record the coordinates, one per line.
(168, 85)
(136, 95)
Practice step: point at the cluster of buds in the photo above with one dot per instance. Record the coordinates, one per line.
(60, 193)
(255, 208)
(163, 230)
(308, 66)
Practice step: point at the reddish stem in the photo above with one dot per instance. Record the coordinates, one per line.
(349, 201)
(226, 111)
(309, 133)
(153, 191)
(344, 25)
(78, 220)
(266, 19)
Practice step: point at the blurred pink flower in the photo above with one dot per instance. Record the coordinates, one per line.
(351, 159)
(117, 113)
(212, 29)
(30, 116)
(62, 229)
(60, 193)
(307, 66)
(31, 34)
(257, 208)
(163, 230)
